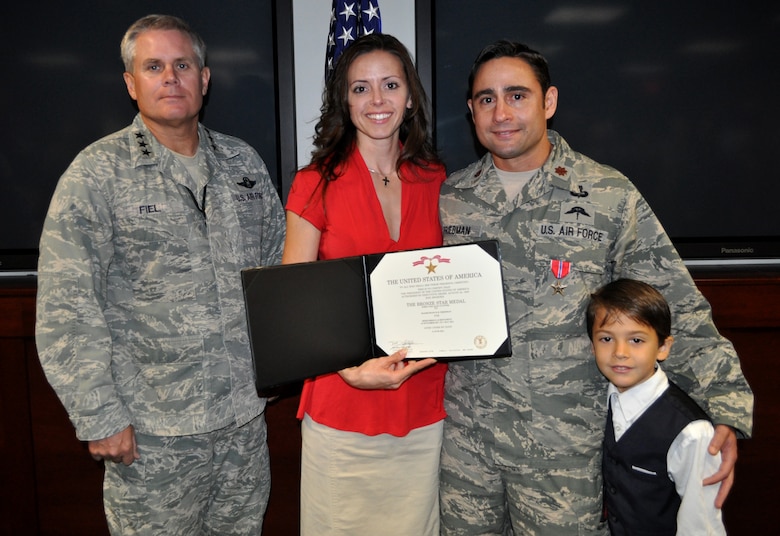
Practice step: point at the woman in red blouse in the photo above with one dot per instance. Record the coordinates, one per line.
(372, 433)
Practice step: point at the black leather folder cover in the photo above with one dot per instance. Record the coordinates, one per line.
(306, 319)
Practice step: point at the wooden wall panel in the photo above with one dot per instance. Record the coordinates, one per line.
(746, 309)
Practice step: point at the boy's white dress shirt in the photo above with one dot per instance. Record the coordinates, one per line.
(688, 461)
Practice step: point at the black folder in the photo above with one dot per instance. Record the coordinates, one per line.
(315, 318)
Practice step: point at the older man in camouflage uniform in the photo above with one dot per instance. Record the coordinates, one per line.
(523, 434)
(141, 325)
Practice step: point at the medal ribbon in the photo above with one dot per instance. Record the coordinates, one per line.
(560, 269)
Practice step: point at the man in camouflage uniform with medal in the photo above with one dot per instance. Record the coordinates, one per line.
(141, 325)
(522, 439)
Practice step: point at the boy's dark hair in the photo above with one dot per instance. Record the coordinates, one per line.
(634, 299)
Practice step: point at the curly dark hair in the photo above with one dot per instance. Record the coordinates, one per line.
(335, 135)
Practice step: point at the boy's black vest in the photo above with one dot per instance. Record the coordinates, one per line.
(636, 502)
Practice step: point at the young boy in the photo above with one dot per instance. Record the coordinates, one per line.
(655, 445)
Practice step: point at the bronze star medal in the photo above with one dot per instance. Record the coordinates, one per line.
(560, 269)
(558, 288)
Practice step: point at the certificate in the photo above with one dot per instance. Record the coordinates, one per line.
(445, 302)
(315, 318)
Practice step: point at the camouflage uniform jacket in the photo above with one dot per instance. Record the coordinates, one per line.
(140, 312)
(575, 226)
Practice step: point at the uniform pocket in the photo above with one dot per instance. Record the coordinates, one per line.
(156, 257)
(170, 375)
(566, 275)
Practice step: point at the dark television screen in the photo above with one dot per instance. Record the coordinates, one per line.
(679, 96)
(63, 89)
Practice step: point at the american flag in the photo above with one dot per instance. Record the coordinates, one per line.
(348, 21)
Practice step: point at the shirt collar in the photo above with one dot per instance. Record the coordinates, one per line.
(632, 402)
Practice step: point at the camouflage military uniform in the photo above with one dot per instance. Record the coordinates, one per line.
(140, 313)
(523, 434)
